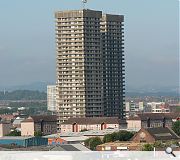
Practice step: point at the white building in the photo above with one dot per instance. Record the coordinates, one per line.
(133, 107)
(158, 107)
(51, 98)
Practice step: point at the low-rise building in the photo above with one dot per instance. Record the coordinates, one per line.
(143, 136)
(149, 120)
(7, 117)
(133, 108)
(45, 124)
(17, 122)
(158, 107)
(151, 135)
(89, 123)
(88, 134)
(5, 128)
(120, 146)
(23, 141)
(67, 140)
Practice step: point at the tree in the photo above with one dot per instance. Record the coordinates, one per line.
(37, 133)
(14, 133)
(176, 127)
(159, 144)
(124, 135)
(148, 147)
(118, 136)
(92, 143)
(107, 138)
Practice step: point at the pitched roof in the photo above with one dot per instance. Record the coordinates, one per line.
(155, 116)
(18, 120)
(93, 120)
(39, 118)
(161, 133)
(173, 115)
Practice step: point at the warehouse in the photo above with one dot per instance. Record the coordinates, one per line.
(23, 141)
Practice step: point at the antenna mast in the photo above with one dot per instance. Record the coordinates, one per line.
(84, 3)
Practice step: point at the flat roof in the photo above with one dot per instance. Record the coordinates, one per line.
(85, 133)
(17, 137)
(14, 137)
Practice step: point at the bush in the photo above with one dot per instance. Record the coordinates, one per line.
(14, 133)
(148, 147)
(37, 133)
(107, 138)
(118, 136)
(159, 144)
(92, 143)
(176, 127)
(125, 135)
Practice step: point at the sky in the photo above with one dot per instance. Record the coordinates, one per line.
(27, 39)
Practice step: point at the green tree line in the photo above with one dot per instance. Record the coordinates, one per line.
(123, 135)
(23, 95)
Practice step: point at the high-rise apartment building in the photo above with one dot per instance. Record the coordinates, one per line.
(89, 59)
(112, 37)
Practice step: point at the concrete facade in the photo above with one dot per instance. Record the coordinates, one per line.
(112, 39)
(27, 129)
(51, 98)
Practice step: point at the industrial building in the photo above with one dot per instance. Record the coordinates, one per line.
(23, 141)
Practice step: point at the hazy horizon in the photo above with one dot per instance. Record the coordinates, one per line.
(27, 40)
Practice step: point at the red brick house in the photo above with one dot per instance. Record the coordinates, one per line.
(150, 135)
(46, 124)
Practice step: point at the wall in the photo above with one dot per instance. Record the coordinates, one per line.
(66, 128)
(5, 129)
(134, 124)
(54, 141)
(34, 141)
(69, 127)
(143, 136)
(47, 127)
(27, 128)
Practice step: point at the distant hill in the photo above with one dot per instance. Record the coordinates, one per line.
(36, 86)
(154, 94)
(153, 91)
(23, 95)
(40, 89)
